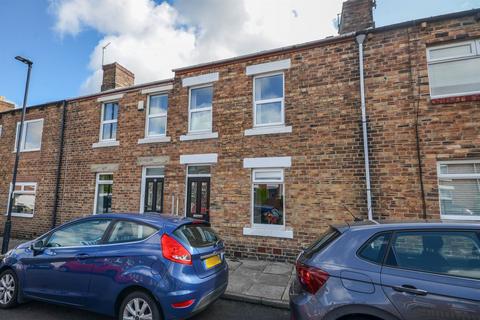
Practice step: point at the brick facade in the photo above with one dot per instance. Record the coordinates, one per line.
(322, 105)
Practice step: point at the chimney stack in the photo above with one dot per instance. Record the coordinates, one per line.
(5, 105)
(356, 15)
(116, 76)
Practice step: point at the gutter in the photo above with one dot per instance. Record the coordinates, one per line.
(360, 39)
(59, 164)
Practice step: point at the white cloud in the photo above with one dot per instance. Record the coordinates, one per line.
(150, 39)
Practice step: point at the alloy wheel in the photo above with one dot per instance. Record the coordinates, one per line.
(7, 288)
(137, 309)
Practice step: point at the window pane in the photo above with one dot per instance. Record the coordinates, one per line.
(201, 121)
(109, 131)
(199, 170)
(268, 175)
(110, 111)
(453, 253)
(268, 204)
(460, 197)
(155, 171)
(33, 135)
(455, 77)
(105, 177)
(451, 52)
(269, 87)
(125, 231)
(375, 250)
(80, 234)
(104, 198)
(201, 98)
(158, 104)
(269, 113)
(156, 126)
(460, 168)
(23, 203)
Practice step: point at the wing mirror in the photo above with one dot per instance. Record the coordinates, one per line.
(37, 247)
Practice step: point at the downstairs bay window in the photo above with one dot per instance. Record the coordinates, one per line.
(459, 190)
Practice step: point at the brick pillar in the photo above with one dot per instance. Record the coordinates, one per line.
(4, 105)
(116, 76)
(356, 15)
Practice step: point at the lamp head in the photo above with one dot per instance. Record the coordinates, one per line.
(24, 60)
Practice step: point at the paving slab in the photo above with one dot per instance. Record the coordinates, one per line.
(266, 291)
(274, 279)
(254, 264)
(233, 264)
(279, 268)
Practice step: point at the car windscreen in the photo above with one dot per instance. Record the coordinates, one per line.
(322, 242)
(197, 235)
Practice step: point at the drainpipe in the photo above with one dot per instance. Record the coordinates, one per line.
(360, 40)
(59, 165)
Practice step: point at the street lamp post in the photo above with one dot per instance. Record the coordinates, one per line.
(8, 222)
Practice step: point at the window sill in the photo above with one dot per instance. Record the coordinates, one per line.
(199, 136)
(286, 233)
(268, 130)
(456, 99)
(27, 150)
(459, 217)
(22, 215)
(162, 139)
(106, 144)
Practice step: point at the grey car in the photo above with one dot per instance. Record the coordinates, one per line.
(427, 271)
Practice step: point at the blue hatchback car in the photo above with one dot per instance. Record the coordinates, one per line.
(130, 266)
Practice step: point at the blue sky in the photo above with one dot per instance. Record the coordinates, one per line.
(66, 57)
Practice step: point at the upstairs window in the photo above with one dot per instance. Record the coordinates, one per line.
(268, 99)
(31, 135)
(459, 190)
(454, 69)
(108, 130)
(200, 109)
(157, 115)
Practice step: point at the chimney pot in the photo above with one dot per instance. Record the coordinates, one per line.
(356, 15)
(116, 76)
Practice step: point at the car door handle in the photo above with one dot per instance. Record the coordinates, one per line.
(410, 289)
(82, 256)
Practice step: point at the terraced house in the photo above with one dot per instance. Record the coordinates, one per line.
(269, 147)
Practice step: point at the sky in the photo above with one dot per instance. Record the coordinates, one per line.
(64, 38)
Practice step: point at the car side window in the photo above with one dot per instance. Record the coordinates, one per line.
(374, 250)
(83, 233)
(454, 253)
(127, 231)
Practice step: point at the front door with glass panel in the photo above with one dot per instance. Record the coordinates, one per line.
(153, 196)
(198, 198)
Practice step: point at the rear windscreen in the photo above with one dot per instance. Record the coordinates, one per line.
(321, 243)
(197, 235)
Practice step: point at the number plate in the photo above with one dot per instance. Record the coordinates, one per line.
(212, 262)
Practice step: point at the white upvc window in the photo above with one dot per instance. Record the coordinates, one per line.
(24, 199)
(103, 193)
(454, 69)
(459, 189)
(200, 109)
(268, 99)
(31, 135)
(109, 121)
(157, 108)
(268, 195)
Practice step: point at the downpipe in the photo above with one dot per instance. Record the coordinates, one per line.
(360, 39)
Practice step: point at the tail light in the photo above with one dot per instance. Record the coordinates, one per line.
(174, 251)
(312, 279)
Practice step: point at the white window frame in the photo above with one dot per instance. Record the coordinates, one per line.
(104, 122)
(159, 115)
(190, 111)
(22, 185)
(144, 179)
(282, 100)
(24, 136)
(452, 177)
(252, 205)
(97, 183)
(475, 45)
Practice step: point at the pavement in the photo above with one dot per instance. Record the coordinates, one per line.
(253, 281)
(219, 310)
(260, 282)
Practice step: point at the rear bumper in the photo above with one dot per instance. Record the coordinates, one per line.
(204, 291)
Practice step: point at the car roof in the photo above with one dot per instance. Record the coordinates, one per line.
(155, 219)
(407, 224)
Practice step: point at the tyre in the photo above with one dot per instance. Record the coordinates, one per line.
(8, 289)
(139, 306)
